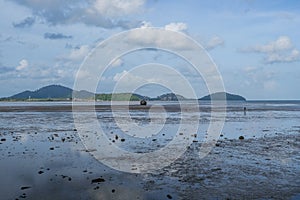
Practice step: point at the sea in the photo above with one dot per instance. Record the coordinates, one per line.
(82, 150)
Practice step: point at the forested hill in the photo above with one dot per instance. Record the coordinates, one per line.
(221, 95)
(58, 92)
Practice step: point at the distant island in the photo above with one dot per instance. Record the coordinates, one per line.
(62, 93)
(221, 95)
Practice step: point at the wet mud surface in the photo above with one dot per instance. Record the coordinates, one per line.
(42, 157)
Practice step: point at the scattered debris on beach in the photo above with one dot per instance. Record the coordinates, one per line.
(25, 187)
(98, 180)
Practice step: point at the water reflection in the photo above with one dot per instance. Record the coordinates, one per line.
(42, 157)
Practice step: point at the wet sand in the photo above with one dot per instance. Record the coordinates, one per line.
(42, 157)
(265, 168)
(174, 107)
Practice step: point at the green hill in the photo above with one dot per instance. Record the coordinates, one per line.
(169, 97)
(120, 97)
(48, 92)
(221, 96)
(58, 92)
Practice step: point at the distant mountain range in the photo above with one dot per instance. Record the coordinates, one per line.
(58, 92)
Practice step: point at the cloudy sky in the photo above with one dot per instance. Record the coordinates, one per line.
(255, 44)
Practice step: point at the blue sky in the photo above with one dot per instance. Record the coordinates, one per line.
(254, 43)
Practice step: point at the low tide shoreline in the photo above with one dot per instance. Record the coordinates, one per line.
(261, 168)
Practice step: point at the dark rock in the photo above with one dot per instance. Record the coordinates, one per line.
(169, 196)
(98, 180)
(51, 148)
(143, 102)
(3, 139)
(216, 169)
(122, 140)
(40, 172)
(241, 137)
(25, 187)
(113, 190)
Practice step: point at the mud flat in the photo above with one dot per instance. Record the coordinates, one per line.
(257, 155)
(56, 165)
(264, 168)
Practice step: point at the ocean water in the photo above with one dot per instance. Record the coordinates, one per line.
(45, 152)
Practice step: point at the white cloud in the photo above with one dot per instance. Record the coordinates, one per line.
(118, 76)
(145, 37)
(176, 26)
(117, 8)
(214, 42)
(281, 44)
(280, 50)
(250, 69)
(294, 55)
(151, 75)
(79, 53)
(103, 13)
(22, 65)
(127, 77)
(146, 24)
(118, 62)
(258, 75)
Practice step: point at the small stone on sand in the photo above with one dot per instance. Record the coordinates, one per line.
(25, 187)
(98, 180)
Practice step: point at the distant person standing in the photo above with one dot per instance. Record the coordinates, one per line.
(245, 110)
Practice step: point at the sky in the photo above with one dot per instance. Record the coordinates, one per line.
(255, 44)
